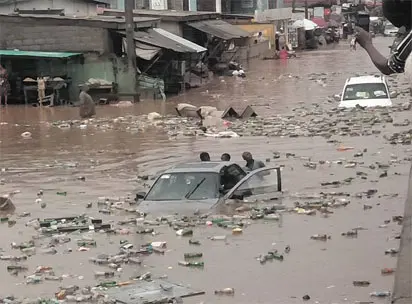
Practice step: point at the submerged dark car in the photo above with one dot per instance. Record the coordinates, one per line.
(201, 186)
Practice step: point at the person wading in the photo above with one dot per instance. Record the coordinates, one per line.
(225, 157)
(4, 85)
(251, 164)
(399, 13)
(204, 156)
(87, 106)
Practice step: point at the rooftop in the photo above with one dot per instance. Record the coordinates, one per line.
(7, 2)
(167, 15)
(109, 22)
(365, 79)
(18, 53)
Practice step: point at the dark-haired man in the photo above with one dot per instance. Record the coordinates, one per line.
(204, 156)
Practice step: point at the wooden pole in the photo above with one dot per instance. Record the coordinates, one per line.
(306, 10)
(131, 51)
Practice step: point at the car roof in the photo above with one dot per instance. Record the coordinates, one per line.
(205, 166)
(365, 79)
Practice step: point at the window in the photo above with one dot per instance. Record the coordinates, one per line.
(185, 186)
(262, 182)
(365, 91)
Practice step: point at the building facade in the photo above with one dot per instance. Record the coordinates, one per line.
(67, 7)
(91, 38)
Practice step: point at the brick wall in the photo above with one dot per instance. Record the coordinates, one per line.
(53, 38)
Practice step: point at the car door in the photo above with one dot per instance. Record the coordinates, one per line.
(263, 183)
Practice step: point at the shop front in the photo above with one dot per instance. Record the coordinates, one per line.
(26, 68)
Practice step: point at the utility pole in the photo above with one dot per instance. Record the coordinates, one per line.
(131, 50)
(306, 10)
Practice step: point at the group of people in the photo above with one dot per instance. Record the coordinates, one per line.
(251, 163)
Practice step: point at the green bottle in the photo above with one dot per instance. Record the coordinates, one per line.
(193, 255)
(275, 255)
(219, 220)
(84, 243)
(191, 264)
(63, 193)
(108, 284)
(4, 219)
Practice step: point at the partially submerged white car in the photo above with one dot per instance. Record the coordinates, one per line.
(365, 91)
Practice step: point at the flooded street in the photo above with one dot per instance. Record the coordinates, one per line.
(111, 152)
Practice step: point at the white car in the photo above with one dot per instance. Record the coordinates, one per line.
(390, 30)
(365, 91)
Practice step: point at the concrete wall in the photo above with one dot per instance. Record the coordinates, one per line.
(28, 37)
(247, 6)
(71, 7)
(172, 27)
(248, 52)
(207, 5)
(107, 67)
(175, 5)
(267, 29)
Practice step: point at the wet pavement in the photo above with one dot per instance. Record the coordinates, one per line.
(121, 144)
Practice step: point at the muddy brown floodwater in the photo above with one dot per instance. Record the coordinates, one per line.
(110, 159)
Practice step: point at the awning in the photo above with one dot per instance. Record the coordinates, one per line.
(319, 21)
(144, 51)
(220, 29)
(163, 39)
(33, 54)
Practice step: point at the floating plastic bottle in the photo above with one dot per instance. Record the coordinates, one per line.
(380, 294)
(193, 255)
(225, 291)
(191, 264)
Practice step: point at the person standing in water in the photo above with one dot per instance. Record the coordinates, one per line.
(251, 164)
(4, 85)
(225, 157)
(204, 156)
(87, 106)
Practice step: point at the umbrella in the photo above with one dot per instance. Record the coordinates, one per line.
(319, 21)
(306, 24)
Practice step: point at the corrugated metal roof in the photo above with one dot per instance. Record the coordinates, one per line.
(15, 53)
(3, 2)
(220, 29)
(166, 40)
(144, 51)
(180, 40)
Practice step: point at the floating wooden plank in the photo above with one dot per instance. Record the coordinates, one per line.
(156, 291)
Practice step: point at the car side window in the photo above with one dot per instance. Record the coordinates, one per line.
(263, 182)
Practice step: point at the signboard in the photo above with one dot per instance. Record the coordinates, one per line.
(159, 5)
(318, 12)
(274, 14)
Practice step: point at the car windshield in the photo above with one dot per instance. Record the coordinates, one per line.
(365, 91)
(185, 186)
